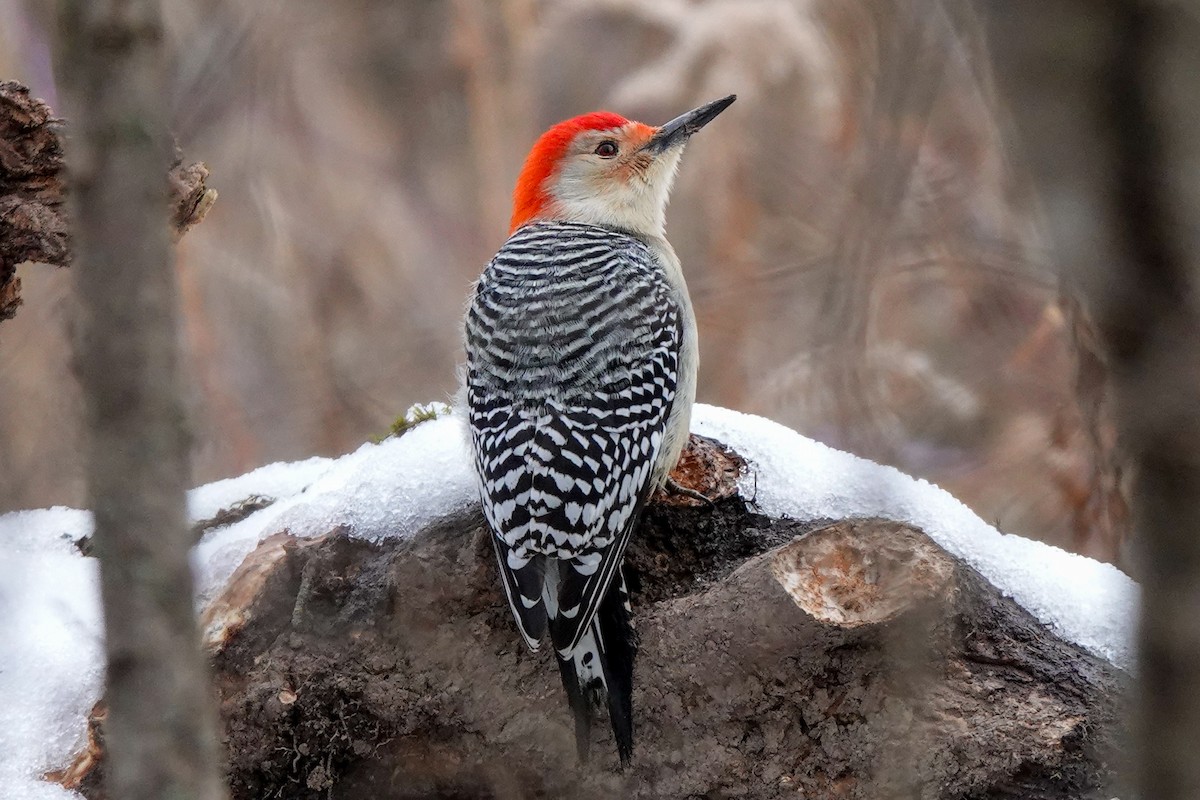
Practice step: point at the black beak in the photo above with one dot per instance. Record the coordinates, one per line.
(680, 129)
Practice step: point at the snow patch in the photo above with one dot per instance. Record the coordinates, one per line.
(272, 481)
(394, 488)
(51, 659)
(44, 530)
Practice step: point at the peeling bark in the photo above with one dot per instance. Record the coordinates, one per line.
(32, 224)
(351, 669)
(33, 191)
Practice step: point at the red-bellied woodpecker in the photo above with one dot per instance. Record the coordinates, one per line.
(580, 379)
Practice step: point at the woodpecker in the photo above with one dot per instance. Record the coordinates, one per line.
(579, 383)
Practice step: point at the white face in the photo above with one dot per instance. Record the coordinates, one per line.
(627, 188)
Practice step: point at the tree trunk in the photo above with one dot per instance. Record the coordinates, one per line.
(161, 726)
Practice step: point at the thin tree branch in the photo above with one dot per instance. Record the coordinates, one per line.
(162, 732)
(1103, 93)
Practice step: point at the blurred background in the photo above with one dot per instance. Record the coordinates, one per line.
(865, 257)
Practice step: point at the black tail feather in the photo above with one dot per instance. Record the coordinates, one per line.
(617, 648)
(620, 649)
(581, 706)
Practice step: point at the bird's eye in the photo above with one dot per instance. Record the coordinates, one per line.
(606, 149)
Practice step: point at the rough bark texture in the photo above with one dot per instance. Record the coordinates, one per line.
(349, 669)
(162, 723)
(1110, 128)
(32, 227)
(33, 190)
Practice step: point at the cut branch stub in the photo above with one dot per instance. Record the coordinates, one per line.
(706, 467)
(857, 573)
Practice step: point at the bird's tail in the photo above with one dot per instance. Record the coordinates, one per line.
(600, 672)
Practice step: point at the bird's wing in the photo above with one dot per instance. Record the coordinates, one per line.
(571, 375)
(628, 453)
(502, 435)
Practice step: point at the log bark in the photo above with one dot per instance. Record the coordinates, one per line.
(32, 227)
(351, 669)
(34, 224)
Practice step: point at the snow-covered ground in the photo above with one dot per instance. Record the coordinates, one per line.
(50, 625)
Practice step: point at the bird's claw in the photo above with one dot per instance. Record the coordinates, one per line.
(673, 486)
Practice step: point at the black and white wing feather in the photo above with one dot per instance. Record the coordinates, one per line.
(573, 341)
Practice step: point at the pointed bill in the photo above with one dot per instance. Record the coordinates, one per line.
(680, 129)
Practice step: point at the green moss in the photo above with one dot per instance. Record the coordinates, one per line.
(414, 416)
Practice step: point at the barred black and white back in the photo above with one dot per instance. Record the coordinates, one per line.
(574, 339)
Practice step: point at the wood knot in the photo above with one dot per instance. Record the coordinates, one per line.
(862, 572)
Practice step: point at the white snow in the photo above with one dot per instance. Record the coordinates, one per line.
(272, 481)
(393, 488)
(50, 648)
(50, 627)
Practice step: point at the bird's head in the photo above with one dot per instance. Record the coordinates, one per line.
(603, 169)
